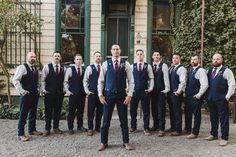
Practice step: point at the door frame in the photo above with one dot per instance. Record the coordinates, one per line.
(117, 16)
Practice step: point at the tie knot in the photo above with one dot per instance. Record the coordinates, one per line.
(155, 65)
(116, 61)
(56, 66)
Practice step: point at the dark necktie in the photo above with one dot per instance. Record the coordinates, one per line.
(213, 74)
(33, 70)
(154, 68)
(98, 69)
(116, 65)
(140, 67)
(78, 72)
(57, 70)
(172, 69)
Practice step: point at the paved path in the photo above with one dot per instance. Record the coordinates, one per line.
(80, 145)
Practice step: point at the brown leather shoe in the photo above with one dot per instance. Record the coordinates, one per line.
(102, 147)
(175, 133)
(128, 146)
(132, 130)
(161, 133)
(192, 136)
(211, 138)
(71, 132)
(147, 132)
(57, 131)
(46, 133)
(97, 129)
(169, 130)
(36, 133)
(23, 138)
(90, 133)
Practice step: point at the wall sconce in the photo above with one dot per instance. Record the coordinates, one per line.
(138, 38)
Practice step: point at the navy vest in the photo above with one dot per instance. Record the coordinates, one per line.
(140, 78)
(193, 84)
(159, 83)
(115, 81)
(174, 79)
(93, 79)
(54, 82)
(29, 81)
(76, 82)
(218, 86)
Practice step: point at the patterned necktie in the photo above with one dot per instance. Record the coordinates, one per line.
(140, 67)
(78, 72)
(98, 69)
(213, 74)
(154, 68)
(57, 70)
(116, 65)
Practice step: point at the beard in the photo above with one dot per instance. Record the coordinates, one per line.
(216, 64)
(194, 64)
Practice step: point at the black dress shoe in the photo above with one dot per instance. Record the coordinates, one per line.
(82, 129)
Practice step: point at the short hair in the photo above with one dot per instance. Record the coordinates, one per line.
(79, 55)
(196, 55)
(56, 52)
(177, 54)
(157, 51)
(219, 53)
(115, 44)
(139, 50)
(96, 52)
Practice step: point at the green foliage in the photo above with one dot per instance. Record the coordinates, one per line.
(7, 112)
(220, 30)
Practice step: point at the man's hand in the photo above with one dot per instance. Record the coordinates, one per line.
(197, 97)
(127, 100)
(176, 94)
(68, 93)
(25, 92)
(148, 90)
(44, 92)
(89, 93)
(102, 100)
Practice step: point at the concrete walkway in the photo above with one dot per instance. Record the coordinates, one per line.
(80, 145)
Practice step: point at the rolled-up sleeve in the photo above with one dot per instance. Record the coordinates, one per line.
(68, 74)
(130, 79)
(101, 79)
(229, 76)
(87, 73)
(182, 72)
(20, 71)
(45, 72)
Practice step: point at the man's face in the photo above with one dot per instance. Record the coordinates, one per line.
(156, 56)
(194, 61)
(115, 51)
(78, 60)
(97, 58)
(217, 60)
(56, 57)
(176, 59)
(140, 56)
(31, 57)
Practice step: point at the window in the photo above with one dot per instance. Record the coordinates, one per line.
(161, 32)
(161, 15)
(72, 29)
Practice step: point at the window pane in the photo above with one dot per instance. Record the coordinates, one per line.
(71, 45)
(161, 17)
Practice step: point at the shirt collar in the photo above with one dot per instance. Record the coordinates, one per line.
(54, 64)
(113, 59)
(196, 67)
(157, 63)
(29, 64)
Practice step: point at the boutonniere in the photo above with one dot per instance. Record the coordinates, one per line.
(122, 65)
(220, 73)
(145, 66)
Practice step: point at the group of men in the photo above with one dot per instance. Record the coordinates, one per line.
(116, 82)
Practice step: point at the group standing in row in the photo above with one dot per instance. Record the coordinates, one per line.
(116, 82)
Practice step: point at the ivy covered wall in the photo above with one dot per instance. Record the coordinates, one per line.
(220, 30)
